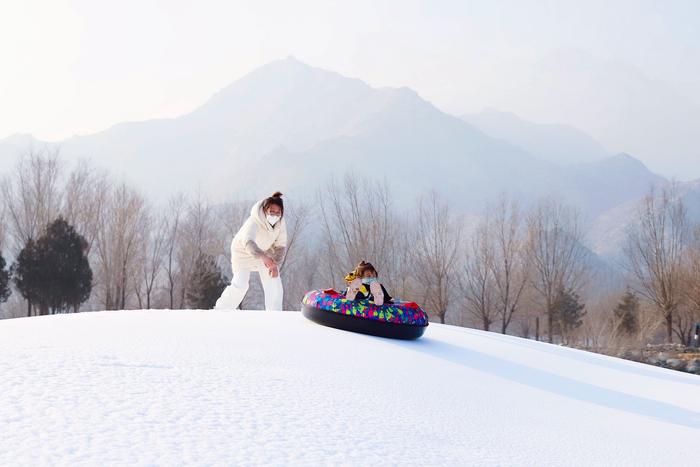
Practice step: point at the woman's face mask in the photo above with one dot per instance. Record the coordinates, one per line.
(272, 219)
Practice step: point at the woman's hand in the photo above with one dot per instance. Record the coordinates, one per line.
(268, 262)
(271, 266)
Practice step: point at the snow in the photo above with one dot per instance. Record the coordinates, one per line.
(216, 387)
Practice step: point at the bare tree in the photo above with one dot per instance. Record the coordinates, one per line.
(689, 313)
(297, 221)
(684, 318)
(600, 328)
(152, 252)
(299, 259)
(654, 252)
(649, 323)
(405, 285)
(436, 242)
(173, 229)
(509, 263)
(554, 243)
(477, 282)
(3, 229)
(85, 197)
(32, 195)
(31, 198)
(2, 240)
(301, 275)
(117, 245)
(199, 235)
(358, 222)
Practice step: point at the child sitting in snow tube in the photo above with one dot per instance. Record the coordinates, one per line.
(365, 307)
(364, 285)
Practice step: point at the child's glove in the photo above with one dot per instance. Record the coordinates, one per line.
(376, 289)
(353, 288)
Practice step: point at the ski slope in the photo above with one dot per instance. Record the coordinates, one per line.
(211, 387)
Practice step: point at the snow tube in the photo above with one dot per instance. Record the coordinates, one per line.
(397, 319)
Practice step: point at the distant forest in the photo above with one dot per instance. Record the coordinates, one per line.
(520, 271)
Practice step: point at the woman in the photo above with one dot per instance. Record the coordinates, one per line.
(258, 246)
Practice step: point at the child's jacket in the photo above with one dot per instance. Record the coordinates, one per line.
(364, 292)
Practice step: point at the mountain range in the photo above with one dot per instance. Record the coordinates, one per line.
(292, 127)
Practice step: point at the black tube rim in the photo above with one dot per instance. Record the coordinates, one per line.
(363, 325)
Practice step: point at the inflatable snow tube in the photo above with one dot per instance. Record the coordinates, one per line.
(396, 320)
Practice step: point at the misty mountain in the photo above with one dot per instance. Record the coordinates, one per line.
(560, 144)
(604, 184)
(596, 180)
(416, 147)
(626, 109)
(293, 127)
(608, 232)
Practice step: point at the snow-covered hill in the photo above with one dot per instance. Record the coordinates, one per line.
(194, 387)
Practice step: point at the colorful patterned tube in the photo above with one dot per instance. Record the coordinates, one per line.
(398, 319)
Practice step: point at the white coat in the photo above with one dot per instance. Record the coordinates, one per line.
(257, 237)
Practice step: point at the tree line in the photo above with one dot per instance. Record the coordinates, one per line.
(518, 269)
(129, 253)
(484, 278)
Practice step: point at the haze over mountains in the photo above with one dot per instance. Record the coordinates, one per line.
(626, 108)
(560, 144)
(293, 127)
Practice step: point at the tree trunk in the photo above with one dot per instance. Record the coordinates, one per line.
(549, 326)
(182, 298)
(669, 327)
(122, 304)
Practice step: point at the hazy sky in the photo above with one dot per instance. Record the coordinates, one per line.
(627, 72)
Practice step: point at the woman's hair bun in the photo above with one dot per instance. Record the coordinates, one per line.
(276, 194)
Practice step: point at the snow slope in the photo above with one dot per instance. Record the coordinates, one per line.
(194, 387)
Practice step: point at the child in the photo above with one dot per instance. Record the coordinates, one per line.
(364, 285)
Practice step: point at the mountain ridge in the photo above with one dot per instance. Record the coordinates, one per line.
(301, 126)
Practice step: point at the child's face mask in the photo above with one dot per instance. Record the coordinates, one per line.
(368, 280)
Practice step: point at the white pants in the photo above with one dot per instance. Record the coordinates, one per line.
(233, 294)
